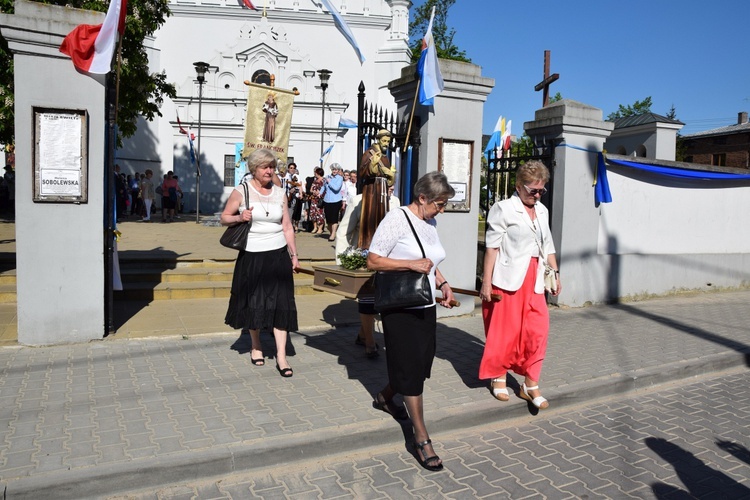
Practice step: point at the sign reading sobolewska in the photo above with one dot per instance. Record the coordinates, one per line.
(60, 155)
(269, 119)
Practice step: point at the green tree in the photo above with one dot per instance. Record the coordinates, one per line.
(672, 113)
(442, 35)
(638, 108)
(557, 97)
(141, 92)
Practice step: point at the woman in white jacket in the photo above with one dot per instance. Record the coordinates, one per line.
(518, 241)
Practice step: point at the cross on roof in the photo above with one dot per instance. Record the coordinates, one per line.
(548, 79)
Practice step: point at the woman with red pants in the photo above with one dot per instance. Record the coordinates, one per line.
(518, 241)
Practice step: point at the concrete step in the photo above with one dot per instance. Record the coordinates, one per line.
(154, 279)
(178, 275)
(8, 277)
(148, 291)
(8, 294)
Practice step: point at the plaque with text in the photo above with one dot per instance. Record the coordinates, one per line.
(455, 158)
(60, 155)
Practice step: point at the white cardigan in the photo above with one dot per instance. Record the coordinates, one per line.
(510, 229)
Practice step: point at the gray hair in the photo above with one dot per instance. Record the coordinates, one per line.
(433, 185)
(259, 158)
(531, 172)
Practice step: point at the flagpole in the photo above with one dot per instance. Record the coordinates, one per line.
(117, 79)
(411, 117)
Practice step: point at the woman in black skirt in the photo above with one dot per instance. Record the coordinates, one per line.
(262, 294)
(410, 333)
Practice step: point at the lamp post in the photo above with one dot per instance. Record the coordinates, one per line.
(324, 75)
(200, 70)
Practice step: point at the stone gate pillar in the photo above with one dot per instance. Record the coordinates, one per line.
(575, 216)
(59, 244)
(453, 124)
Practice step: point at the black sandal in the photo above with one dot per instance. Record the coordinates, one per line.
(391, 408)
(284, 372)
(256, 361)
(426, 461)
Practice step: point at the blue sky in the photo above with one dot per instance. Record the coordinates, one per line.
(690, 54)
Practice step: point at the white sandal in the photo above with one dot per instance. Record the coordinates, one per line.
(500, 393)
(538, 401)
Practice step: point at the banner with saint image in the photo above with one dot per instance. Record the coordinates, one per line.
(269, 119)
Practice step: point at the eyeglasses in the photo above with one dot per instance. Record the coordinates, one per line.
(534, 192)
(441, 205)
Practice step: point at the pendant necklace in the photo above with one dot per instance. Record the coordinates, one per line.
(260, 196)
(264, 207)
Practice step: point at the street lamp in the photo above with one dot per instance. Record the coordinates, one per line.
(324, 75)
(200, 70)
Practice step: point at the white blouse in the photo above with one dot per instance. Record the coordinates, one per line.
(266, 232)
(395, 240)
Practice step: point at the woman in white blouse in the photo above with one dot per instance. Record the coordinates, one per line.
(410, 334)
(262, 295)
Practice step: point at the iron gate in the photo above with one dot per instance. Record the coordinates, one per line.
(370, 120)
(500, 172)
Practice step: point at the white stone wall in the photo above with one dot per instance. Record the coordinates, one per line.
(59, 246)
(660, 234)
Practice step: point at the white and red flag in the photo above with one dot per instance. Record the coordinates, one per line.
(91, 47)
(190, 138)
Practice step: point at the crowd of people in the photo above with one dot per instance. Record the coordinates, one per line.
(136, 195)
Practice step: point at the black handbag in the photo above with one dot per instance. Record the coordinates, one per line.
(402, 289)
(235, 237)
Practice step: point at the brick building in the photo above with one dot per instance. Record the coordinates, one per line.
(723, 147)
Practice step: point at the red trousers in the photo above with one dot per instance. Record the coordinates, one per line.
(516, 329)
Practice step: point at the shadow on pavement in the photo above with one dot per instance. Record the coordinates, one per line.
(689, 329)
(699, 479)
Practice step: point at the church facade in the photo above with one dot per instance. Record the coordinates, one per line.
(286, 42)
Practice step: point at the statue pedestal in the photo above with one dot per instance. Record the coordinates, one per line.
(345, 282)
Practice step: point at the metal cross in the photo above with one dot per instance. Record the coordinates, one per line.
(548, 79)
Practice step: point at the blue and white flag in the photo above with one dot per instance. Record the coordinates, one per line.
(497, 134)
(343, 28)
(326, 151)
(347, 123)
(428, 68)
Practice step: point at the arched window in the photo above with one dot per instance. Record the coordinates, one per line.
(262, 77)
(641, 151)
(621, 151)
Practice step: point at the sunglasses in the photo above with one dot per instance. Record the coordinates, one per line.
(534, 192)
(441, 205)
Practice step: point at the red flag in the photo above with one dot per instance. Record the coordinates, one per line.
(249, 4)
(179, 125)
(91, 47)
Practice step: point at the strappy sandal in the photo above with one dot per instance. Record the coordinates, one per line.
(427, 461)
(538, 401)
(391, 408)
(500, 393)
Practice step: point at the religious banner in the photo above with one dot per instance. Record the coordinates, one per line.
(269, 119)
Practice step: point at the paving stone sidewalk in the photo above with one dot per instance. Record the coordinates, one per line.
(95, 419)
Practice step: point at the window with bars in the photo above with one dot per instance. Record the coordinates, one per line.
(229, 170)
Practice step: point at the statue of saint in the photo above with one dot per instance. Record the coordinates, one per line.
(271, 109)
(377, 175)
